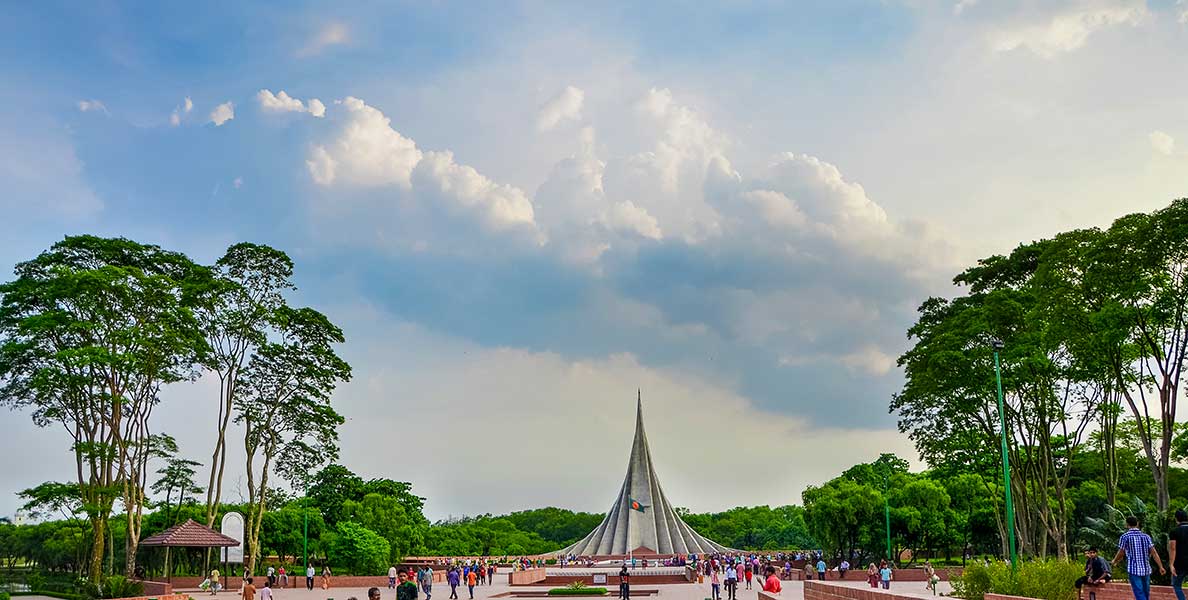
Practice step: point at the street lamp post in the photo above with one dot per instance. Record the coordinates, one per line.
(1006, 463)
(887, 515)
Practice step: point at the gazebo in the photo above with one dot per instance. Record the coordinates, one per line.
(190, 534)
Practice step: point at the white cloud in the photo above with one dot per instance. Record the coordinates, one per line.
(222, 113)
(1162, 142)
(176, 116)
(332, 34)
(316, 108)
(280, 102)
(283, 102)
(1067, 29)
(566, 105)
(92, 105)
(367, 151)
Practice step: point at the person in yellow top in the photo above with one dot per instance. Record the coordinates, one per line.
(214, 582)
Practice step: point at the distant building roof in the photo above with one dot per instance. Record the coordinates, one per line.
(190, 535)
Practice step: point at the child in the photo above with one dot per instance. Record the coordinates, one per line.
(715, 585)
(885, 576)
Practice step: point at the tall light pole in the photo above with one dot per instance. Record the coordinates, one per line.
(887, 514)
(1006, 462)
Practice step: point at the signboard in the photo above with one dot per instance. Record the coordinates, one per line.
(600, 578)
(232, 527)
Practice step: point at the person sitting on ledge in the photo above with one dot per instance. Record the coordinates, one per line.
(1097, 570)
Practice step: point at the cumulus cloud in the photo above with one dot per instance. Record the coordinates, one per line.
(222, 113)
(332, 34)
(566, 105)
(281, 102)
(369, 153)
(1162, 142)
(962, 5)
(316, 108)
(1068, 28)
(91, 105)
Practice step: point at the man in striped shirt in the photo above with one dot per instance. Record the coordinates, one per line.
(1136, 546)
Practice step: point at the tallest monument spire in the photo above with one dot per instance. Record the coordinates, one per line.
(641, 520)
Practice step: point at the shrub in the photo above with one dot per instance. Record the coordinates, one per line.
(361, 550)
(583, 591)
(577, 585)
(1047, 579)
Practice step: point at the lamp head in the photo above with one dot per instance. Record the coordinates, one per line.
(996, 344)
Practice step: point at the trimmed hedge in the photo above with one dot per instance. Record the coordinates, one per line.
(51, 594)
(584, 591)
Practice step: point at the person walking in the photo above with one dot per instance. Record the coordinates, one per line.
(885, 575)
(843, 568)
(748, 573)
(715, 585)
(284, 576)
(215, 586)
(1135, 546)
(821, 568)
(1177, 553)
(872, 575)
(392, 577)
(406, 590)
(427, 582)
(731, 582)
(270, 575)
(471, 579)
(929, 577)
(266, 593)
(325, 577)
(453, 579)
(309, 576)
(249, 590)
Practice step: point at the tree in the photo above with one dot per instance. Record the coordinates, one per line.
(285, 408)
(331, 487)
(251, 280)
(89, 332)
(361, 550)
(844, 516)
(177, 476)
(386, 516)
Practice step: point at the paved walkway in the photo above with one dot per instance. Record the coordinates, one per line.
(792, 590)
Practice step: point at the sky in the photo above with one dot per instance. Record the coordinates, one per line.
(521, 213)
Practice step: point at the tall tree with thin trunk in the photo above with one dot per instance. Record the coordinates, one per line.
(289, 425)
(253, 278)
(89, 331)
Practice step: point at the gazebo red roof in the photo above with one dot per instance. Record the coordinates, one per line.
(190, 535)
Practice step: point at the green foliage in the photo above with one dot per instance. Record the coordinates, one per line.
(583, 591)
(577, 585)
(115, 586)
(1046, 579)
(754, 528)
(360, 550)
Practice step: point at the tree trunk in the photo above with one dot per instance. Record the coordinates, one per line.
(99, 538)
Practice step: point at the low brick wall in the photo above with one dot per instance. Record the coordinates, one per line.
(1109, 591)
(613, 579)
(526, 577)
(817, 590)
(160, 597)
(156, 588)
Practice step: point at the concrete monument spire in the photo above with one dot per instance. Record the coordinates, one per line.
(641, 520)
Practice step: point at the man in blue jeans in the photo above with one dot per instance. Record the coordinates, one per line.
(1136, 546)
(1177, 553)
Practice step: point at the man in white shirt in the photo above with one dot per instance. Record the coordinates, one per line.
(392, 577)
(309, 575)
(731, 582)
